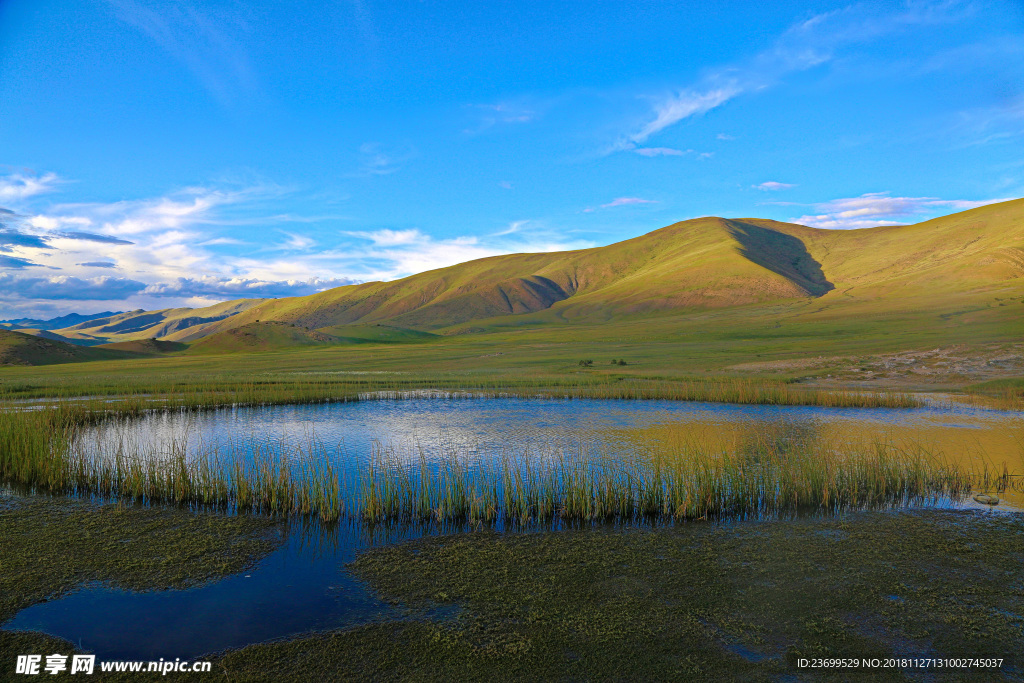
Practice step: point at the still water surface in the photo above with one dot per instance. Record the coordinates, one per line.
(302, 586)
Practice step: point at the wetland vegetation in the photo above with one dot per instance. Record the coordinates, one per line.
(43, 448)
(729, 600)
(722, 596)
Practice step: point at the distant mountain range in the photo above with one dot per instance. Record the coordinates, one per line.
(969, 259)
(53, 323)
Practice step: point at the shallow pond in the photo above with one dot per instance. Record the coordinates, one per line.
(348, 433)
(302, 586)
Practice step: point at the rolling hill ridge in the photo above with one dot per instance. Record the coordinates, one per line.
(700, 264)
(704, 264)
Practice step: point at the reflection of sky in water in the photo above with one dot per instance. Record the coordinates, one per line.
(302, 586)
(298, 588)
(347, 431)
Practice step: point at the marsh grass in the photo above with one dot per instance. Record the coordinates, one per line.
(737, 391)
(1006, 398)
(51, 450)
(133, 399)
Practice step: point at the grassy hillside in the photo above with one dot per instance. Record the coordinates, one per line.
(707, 295)
(145, 346)
(262, 336)
(17, 348)
(699, 264)
(378, 333)
(952, 265)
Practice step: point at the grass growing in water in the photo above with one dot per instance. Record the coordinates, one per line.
(127, 399)
(45, 450)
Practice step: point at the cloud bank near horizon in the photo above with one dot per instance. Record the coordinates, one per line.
(205, 244)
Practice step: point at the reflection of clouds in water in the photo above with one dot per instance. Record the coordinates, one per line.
(484, 428)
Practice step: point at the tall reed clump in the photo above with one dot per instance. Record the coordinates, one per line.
(678, 485)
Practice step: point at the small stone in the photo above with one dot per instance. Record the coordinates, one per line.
(986, 500)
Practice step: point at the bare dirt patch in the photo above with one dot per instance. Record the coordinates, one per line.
(946, 367)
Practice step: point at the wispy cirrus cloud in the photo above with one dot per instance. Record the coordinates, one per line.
(1003, 123)
(209, 41)
(500, 114)
(622, 201)
(684, 104)
(660, 152)
(378, 159)
(390, 238)
(804, 45)
(627, 201)
(773, 186)
(879, 208)
(19, 186)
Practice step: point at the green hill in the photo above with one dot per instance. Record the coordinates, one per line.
(17, 348)
(701, 264)
(377, 333)
(741, 276)
(262, 336)
(151, 347)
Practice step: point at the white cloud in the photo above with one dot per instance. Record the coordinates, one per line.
(220, 288)
(622, 201)
(298, 242)
(661, 152)
(18, 187)
(771, 185)
(627, 201)
(56, 222)
(878, 208)
(376, 159)
(513, 227)
(169, 261)
(398, 253)
(685, 104)
(391, 238)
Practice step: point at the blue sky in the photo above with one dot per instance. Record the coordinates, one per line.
(159, 154)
